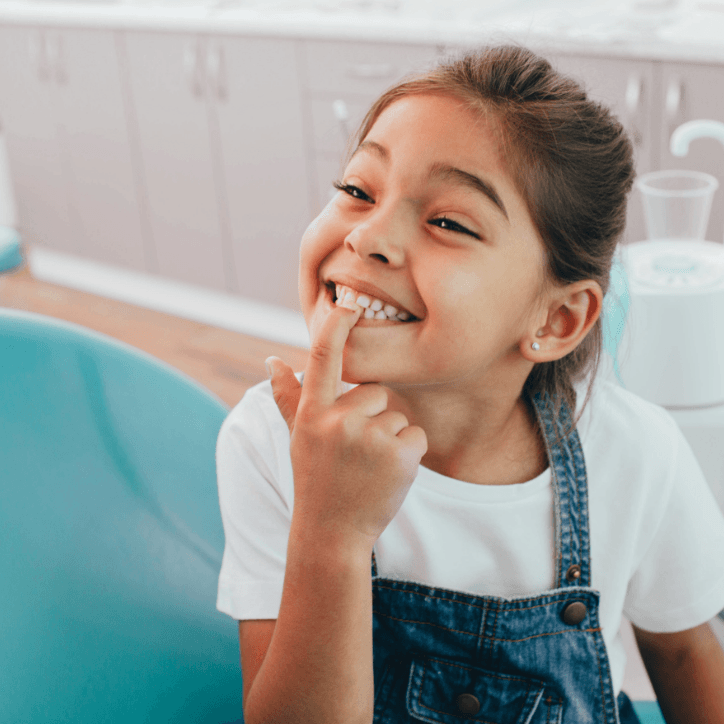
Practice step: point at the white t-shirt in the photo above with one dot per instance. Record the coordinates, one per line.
(657, 533)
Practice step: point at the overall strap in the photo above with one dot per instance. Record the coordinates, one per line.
(570, 493)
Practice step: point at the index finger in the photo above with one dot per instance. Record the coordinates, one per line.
(323, 375)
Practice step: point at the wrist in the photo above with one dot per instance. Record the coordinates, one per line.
(327, 543)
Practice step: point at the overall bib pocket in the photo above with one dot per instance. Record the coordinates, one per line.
(446, 692)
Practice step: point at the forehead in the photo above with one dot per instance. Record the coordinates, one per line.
(437, 125)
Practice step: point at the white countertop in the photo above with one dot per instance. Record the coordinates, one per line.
(607, 27)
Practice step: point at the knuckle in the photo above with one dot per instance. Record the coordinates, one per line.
(347, 424)
(320, 351)
(401, 419)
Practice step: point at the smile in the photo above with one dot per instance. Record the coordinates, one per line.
(373, 309)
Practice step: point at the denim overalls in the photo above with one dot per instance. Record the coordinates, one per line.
(449, 657)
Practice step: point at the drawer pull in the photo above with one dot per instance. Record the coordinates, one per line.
(370, 70)
(192, 69)
(634, 92)
(341, 113)
(216, 70)
(674, 97)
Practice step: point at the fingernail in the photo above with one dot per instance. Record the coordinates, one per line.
(269, 366)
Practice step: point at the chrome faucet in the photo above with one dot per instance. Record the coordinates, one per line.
(691, 130)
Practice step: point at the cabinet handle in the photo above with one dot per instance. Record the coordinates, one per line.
(634, 92)
(674, 98)
(370, 70)
(55, 59)
(216, 70)
(192, 69)
(38, 52)
(341, 113)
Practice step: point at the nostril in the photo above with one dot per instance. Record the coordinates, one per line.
(380, 257)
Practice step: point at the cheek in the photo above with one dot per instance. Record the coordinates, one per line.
(318, 242)
(460, 294)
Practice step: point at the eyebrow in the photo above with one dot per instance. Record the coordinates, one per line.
(444, 172)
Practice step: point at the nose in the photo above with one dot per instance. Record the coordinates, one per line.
(381, 235)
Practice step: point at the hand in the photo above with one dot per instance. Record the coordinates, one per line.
(353, 460)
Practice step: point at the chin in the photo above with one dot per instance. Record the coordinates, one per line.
(359, 373)
(356, 374)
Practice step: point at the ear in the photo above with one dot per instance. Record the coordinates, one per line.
(571, 314)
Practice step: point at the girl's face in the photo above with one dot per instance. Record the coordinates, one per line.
(428, 216)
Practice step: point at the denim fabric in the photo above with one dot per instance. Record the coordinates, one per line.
(518, 657)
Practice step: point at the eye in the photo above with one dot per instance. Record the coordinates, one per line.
(353, 191)
(449, 224)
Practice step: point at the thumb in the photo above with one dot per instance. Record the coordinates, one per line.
(286, 389)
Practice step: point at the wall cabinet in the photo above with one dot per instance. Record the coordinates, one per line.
(35, 154)
(265, 166)
(175, 147)
(63, 112)
(223, 156)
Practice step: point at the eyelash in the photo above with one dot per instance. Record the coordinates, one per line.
(354, 190)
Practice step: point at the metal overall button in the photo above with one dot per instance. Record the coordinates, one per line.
(574, 613)
(467, 704)
(573, 573)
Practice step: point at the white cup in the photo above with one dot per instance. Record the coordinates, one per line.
(677, 204)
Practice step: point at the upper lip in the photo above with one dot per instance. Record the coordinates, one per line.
(367, 288)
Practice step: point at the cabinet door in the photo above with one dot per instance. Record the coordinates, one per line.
(689, 92)
(96, 137)
(168, 95)
(38, 169)
(628, 88)
(263, 155)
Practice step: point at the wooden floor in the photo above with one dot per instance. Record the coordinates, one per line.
(225, 362)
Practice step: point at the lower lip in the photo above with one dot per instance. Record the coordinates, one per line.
(364, 322)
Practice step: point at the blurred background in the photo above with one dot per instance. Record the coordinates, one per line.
(161, 159)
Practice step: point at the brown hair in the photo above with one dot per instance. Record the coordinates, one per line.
(571, 161)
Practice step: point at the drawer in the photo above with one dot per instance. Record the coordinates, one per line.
(335, 120)
(363, 68)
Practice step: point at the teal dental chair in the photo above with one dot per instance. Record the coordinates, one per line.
(110, 535)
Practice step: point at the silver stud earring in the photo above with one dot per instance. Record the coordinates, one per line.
(535, 346)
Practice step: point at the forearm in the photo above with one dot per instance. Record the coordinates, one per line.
(689, 684)
(318, 667)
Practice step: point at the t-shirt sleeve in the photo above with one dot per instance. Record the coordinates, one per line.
(255, 483)
(678, 583)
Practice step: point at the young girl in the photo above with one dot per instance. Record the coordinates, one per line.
(433, 528)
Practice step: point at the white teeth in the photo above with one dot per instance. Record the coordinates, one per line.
(373, 308)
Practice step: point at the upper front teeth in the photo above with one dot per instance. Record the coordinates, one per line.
(374, 308)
